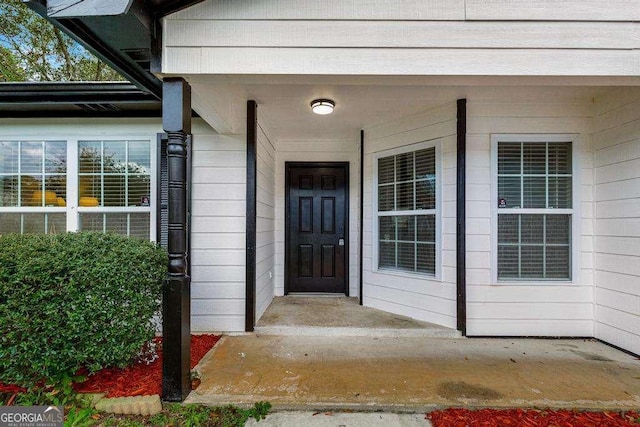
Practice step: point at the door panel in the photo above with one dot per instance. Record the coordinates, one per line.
(316, 247)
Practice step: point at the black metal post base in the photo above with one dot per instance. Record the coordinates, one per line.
(176, 380)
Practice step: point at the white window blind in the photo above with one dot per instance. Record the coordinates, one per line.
(33, 186)
(115, 187)
(536, 177)
(406, 211)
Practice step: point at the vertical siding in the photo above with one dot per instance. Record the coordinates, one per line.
(617, 228)
(528, 308)
(218, 232)
(265, 247)
(317, 151)
(425, 299)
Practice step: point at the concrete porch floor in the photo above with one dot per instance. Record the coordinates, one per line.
(415, 374)
(340, 316)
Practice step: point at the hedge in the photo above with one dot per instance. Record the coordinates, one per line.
(75, 300)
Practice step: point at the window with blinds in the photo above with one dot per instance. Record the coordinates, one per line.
(114, 184)
(33, 186)
(46, 188)
(406, 214)
(535, 209)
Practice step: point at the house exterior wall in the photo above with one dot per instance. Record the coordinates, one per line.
(617, 219)
(317, 151)
(218, 231)
(493, 308)
(265, 208)
(428, 299)
(527, 308)
(404, 37)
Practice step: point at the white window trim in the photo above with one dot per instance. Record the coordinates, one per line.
(436, 143)
(72, 209)
(575, 212)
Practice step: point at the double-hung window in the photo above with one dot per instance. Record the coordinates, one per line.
(54, 186)
(406, 211)
(114, 186)
(534, 208)
(33, 185)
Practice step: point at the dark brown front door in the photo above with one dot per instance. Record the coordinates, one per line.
(316, 222)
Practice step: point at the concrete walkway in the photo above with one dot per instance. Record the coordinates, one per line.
(339, 419)
(416, 374)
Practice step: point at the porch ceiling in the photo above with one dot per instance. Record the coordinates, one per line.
(361, 103)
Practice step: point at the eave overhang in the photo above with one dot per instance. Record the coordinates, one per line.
(82, 99)
(129, 42)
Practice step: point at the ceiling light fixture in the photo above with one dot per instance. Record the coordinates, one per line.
(322, 106)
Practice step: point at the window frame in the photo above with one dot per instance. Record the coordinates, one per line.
(72, 208)
(574, 212)
(437, 211)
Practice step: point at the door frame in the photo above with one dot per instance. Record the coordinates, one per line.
(287, 185)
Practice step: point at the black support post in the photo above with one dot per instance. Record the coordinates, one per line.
(361, 225)
(461, 234)
(252, 188)
(176, 301)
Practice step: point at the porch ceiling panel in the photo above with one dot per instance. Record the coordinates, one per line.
(286, 107)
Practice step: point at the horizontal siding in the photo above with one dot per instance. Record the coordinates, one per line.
(427, 299)
(533, 312)
(326, 10)
(218, 232)
(617, 230)
(553, 10)
(216, 323)
(533, 308)
(405, 37)
(525, 327)
(311, 151)
(399, 34)
(401, 61)
(265, 221)
(534, 294)
(424, 10)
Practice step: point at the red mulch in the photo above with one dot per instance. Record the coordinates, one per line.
(141, 379)
(530, 418)
(135, 380)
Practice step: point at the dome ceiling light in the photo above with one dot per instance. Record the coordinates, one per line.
(322, 106)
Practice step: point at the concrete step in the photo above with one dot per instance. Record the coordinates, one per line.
(351, 331)
(317, 316)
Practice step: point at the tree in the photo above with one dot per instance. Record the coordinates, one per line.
(32, 49)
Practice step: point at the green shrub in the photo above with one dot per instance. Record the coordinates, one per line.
(75, 300)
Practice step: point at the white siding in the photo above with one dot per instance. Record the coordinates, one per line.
(318, 151)
(265, 247)
(405, 37)
(526, 308)
(218, 231)
(617, 213)
(427, 10)
(427, 299)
